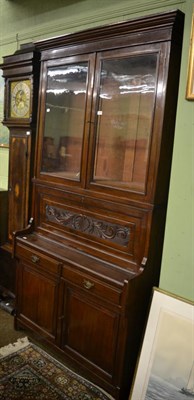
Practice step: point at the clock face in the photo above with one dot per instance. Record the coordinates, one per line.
(20, 99)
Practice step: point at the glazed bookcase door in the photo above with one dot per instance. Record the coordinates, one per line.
(64, 117)
(125, 114)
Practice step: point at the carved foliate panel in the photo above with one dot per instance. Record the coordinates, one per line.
(89, 225)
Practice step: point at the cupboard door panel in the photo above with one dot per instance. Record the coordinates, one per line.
(91, 330)
(37, 302)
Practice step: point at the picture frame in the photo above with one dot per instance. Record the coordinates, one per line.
(190, 75)
(166, 362)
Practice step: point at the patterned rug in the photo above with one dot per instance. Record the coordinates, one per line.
(28, 372)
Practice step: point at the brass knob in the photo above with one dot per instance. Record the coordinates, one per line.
(35, 259)
(87, 284)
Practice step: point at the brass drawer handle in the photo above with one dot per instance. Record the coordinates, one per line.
(35, 259)
(87, 284)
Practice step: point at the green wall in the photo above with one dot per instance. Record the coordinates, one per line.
(24, 21)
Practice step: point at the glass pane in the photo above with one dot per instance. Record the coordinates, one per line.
(124, 121)
(64, 120)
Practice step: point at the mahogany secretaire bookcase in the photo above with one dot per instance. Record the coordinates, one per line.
(95, 186)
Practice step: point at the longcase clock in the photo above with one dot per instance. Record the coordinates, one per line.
(21, 73)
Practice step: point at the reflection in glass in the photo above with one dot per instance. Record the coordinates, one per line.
(124, 121)
(64, 120)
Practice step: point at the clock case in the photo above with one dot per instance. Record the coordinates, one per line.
(21, 66)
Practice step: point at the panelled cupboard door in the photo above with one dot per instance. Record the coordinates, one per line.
(38, 299)
(90, 331)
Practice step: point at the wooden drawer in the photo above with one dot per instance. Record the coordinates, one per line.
(93, 285)
(38, 259)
